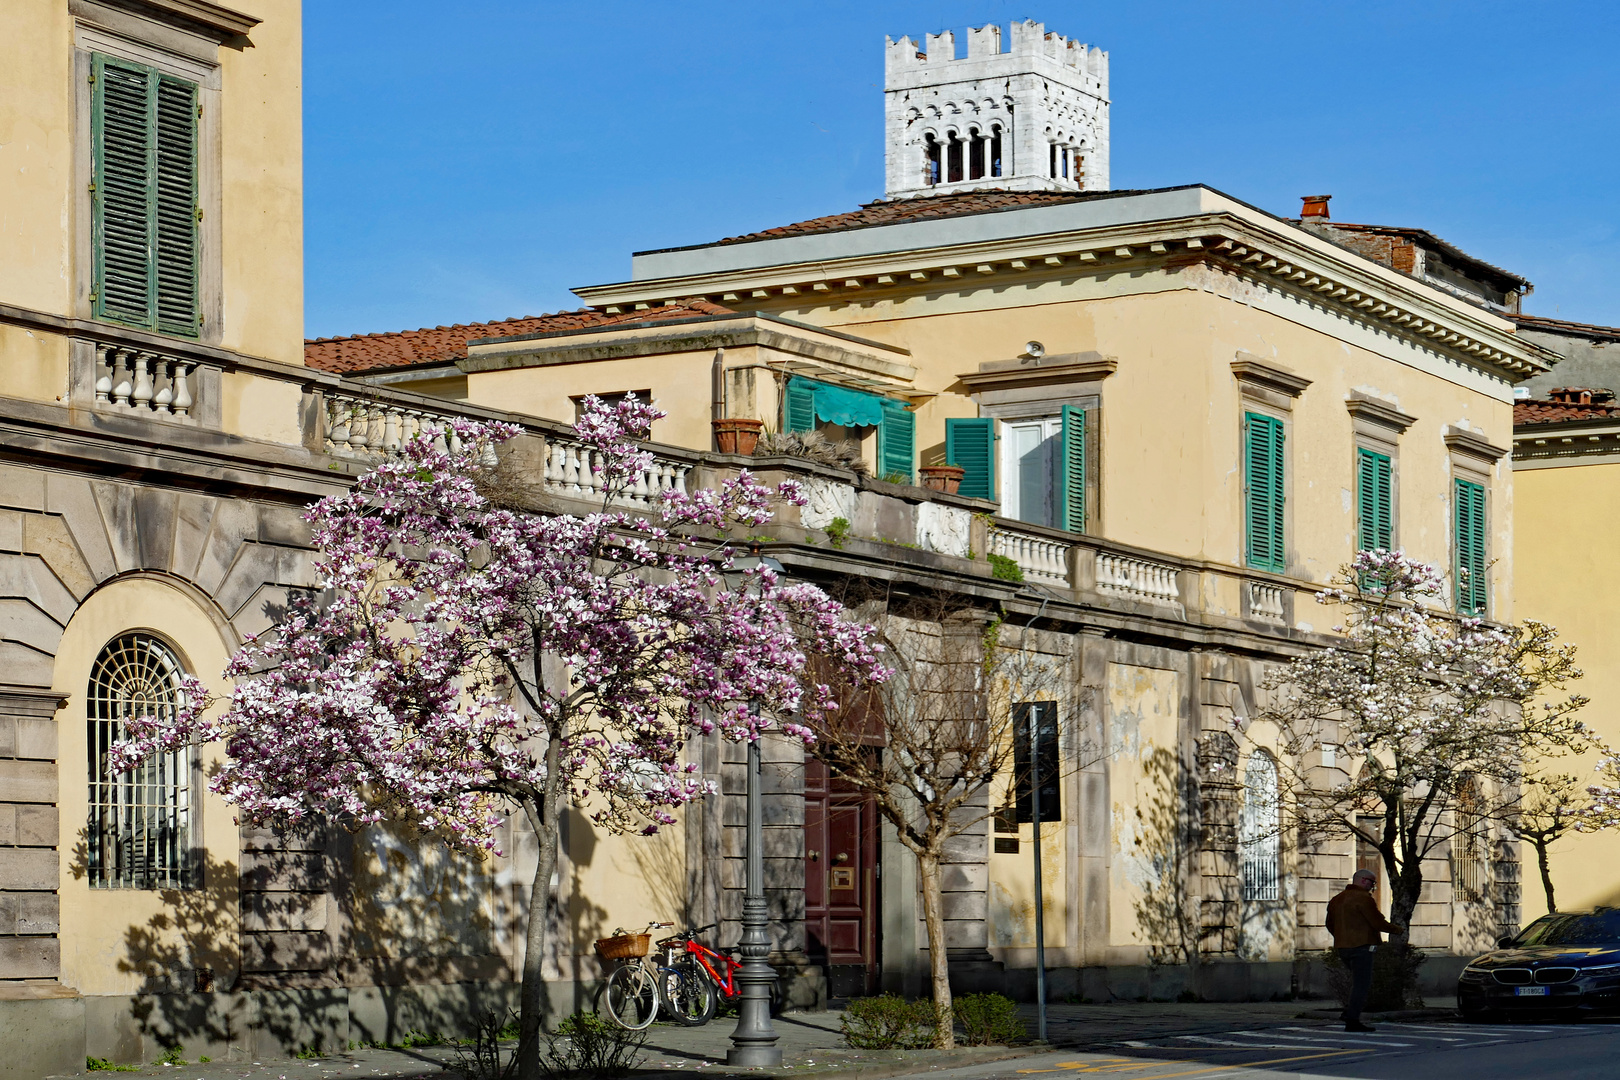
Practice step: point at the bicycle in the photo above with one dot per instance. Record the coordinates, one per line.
(638, 985)
(706, 976)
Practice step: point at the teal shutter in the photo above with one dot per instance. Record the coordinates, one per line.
(1071, 480)
(144, 220)
(897, 440)
(971, 445)
(1469, 532)
(1374, 501)
(799, 406)
(1263, 492)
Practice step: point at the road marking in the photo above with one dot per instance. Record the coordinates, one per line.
(1114, 1065)
(1252, 1046)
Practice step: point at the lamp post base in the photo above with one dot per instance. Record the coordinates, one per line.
(754, 1057)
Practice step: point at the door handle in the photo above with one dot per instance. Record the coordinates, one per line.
(812, 855)
(841, 857)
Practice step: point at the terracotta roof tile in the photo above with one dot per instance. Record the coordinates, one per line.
(897, 211)
(367, 353)
(1567, 403)
(1428, 239)
(1564, 326)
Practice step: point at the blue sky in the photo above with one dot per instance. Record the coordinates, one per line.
(474, 160)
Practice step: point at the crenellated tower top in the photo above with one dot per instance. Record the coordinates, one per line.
(1034, 118)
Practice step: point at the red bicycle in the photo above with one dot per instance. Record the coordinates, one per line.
(708, 976)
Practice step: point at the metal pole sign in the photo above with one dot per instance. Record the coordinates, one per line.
(1040, 906)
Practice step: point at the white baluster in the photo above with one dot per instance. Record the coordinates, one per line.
(390, 437)
(337, 423)
(142, 397)
(163, 400)
(680, 477)
(122, 386)
(104, 358)
(182, 389)
(360, 427)
(570, 477)
(640, 490)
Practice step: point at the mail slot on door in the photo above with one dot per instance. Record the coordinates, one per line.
(843, 878)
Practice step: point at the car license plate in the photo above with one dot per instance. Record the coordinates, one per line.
(1530, 991)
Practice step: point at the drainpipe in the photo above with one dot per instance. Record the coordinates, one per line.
(717, 393)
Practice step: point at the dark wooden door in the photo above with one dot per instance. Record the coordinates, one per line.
(841, 882)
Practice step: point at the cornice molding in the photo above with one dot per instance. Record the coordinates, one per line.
(1068, 368)
(188, 13)
(1253, 371)
(1473, 444)
(1568, 440)
(1375, 295)
(1382, 413)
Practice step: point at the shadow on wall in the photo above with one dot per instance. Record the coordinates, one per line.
(585, 919)
(1163, 839)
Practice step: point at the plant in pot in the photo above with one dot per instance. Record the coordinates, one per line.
(946, 478)
(737, 435)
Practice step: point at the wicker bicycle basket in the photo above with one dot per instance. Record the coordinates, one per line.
(623, 947)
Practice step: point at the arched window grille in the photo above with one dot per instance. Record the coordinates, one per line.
(1468, 844)
(1258, 828)
(140, 821)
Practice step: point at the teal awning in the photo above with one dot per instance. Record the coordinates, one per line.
(840, 405)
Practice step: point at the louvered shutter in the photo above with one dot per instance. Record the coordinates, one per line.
(1263, 494)
(1375, 501)
(970, 443)
(144, 144)
(897, 440)
(1071, 485)
(1469, 530)
(175, 206)
(799, 406)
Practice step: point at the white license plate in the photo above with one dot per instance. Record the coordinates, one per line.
(1529, 991)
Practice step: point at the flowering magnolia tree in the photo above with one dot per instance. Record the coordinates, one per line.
(471, 660)
(1434, 714)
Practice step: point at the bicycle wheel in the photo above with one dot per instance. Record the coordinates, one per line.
(631, 997)
(687, 993)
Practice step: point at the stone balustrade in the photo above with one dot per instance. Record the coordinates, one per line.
(575, 471)
(1042, 558)
(357, 425)
(143, 380)
(1266, 601)
(1137, 579)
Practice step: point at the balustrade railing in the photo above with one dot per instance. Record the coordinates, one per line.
(144, 380)
(1140, 579)
(575, 471)
(357, 425)
(1266, 601)
(1042, 558)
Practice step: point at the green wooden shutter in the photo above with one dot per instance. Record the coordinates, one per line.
(1263, 492)
(1469, 531)
(971, 444)
(799, 406)
(144, 196)
(175, 206)
(1071, 485)
(897, 440)
(1374, 501)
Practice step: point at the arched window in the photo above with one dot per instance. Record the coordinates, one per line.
(1257, 830)
(1468, 844)
(995, 150)
(931, 162)
(140, 821)
(953, 158)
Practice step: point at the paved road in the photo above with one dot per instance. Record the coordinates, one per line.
(1396, 1051)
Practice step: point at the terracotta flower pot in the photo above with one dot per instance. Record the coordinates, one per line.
(946, 478)
(737, 435)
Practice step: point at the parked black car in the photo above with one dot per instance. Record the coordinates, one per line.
(1568, 962)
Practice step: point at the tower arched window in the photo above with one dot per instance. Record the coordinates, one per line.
(976, 154)
(995, 150)
(931, 161)
(140, 821)
(953, 158)
(1258, 838)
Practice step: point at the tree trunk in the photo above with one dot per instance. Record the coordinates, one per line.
(1405, 888)
(1546, 874)
(938, 963)
(543, 816)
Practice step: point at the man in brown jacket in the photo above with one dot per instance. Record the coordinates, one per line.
(1357, 925)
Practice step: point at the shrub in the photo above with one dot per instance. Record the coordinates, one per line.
(479, 1058)
(812, 446)
(837, 531)
(988, 1019)
(1005, 568)
(587, 1045)
(888, 1022)
(95, 1064)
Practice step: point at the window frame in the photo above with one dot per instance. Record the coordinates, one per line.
(1263, 853)
(1277, 563)
(1478, 604)
(179, 56)
(186, 871)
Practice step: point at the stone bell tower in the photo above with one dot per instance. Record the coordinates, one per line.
(1034, 118)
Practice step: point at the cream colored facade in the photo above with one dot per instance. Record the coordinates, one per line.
(1567, 483)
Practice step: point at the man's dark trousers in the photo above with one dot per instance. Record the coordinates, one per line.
(1360, 962)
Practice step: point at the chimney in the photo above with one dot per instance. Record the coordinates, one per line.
(1315, 206)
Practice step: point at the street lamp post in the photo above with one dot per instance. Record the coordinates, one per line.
(754, 1039)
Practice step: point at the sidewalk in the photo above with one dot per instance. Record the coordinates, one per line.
(810, 1044)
